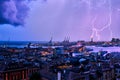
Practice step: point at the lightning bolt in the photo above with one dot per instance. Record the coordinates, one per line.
(96, 31)
(108, 25)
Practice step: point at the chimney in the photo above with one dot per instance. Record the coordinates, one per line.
(59, 76)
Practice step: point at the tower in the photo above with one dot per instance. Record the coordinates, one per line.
(91, 39)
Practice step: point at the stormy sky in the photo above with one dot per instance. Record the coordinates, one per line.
(38, 20)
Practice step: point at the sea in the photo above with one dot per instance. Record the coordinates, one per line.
(22, 44)
(18, 44)
(108, 49)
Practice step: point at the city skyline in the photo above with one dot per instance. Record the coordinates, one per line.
(77, 19)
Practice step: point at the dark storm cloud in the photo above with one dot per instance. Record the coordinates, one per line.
(13, 12)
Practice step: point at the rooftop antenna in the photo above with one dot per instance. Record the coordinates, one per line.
(51, 40)
(69, 38)
(64, 39)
